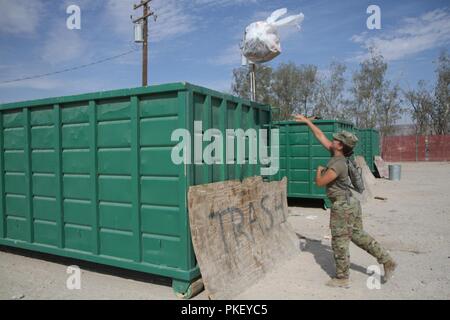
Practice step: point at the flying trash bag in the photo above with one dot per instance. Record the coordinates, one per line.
(261, 40)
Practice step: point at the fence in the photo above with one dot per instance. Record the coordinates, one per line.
(416, 148)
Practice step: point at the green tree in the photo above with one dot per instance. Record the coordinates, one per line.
(367, 91)
(390, 110)
(421, 104)
(290, 88)
(241, 83)
(286, 93)
(376, 102)
(330, 99)
(307, 87)
(441, 108)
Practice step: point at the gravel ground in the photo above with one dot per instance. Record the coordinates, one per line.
(413, 224)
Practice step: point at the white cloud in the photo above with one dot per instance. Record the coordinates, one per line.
(172, 18)
(20, 16)
(64, 45)
(64, 84)
(40, 84)
(118, 13)
(222, 3)
(221, 85)
(414, 35)
(83, 4)
(230, 56)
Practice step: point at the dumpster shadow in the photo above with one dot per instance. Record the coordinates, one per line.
(323, 255)
(306, 203)
(91, 266)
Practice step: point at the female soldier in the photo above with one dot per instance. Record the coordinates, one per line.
(346, 216)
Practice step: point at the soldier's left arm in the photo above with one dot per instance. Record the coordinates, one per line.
(329, 176)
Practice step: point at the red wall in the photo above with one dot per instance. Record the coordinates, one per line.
(403, 148)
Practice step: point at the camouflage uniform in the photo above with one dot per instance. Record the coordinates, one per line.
(346, 225)
(346, 217)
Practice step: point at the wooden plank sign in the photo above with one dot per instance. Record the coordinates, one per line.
(239, 232)
(382, 167)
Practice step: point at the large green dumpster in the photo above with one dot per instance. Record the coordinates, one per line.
(91, 177)
(301, 153)
(370, 146)
(359, 149)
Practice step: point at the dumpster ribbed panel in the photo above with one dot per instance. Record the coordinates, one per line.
(301, 153)
(91, 176)
(2, 184)
(369, 146)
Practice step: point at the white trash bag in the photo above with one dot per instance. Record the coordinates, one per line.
(262, 41)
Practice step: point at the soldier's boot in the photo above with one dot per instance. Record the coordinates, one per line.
(389, 268)
(338, 283)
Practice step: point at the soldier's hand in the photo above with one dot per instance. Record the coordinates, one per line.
(320, 168)
(301, 118)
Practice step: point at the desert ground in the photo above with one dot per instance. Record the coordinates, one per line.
(413, 224)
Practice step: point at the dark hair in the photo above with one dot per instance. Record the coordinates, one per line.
(348, 151)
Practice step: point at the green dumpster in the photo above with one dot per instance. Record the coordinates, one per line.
(90, 176)
(301, 153)
(370, 146)
(359, 149)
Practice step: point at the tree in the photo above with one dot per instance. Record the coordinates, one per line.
(330, 100)
(441, 109)
(241, 83)
(367, 90)
(421, 107)
(376, 103)
(307, 87)
(389, 111)
(285, 88)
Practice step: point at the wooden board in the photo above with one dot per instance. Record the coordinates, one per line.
(239, 232)
(382, 167)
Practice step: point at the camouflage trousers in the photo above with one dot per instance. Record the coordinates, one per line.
(346, 225)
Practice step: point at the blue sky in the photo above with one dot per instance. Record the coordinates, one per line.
(197, 41)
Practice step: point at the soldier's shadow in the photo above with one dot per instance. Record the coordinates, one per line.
(323, 255)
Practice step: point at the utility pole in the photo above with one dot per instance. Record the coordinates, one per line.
(147, 13)
(253, 81)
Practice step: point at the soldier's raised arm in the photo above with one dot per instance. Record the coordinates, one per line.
(315, 130)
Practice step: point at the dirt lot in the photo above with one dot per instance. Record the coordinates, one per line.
(414, 224)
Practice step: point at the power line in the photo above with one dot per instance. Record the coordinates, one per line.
(71, 69)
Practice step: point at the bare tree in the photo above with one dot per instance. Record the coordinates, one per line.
(330, 99)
